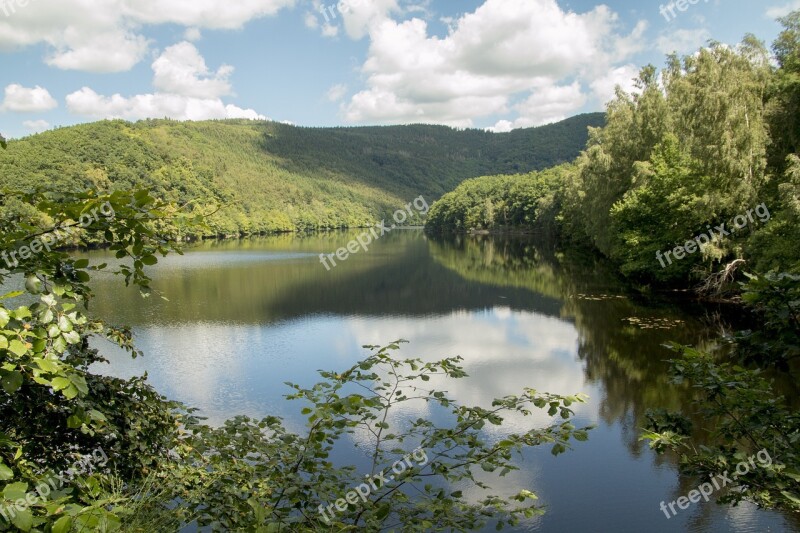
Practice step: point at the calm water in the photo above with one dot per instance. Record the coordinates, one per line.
(240, 319)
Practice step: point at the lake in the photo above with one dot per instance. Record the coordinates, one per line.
(238, 319)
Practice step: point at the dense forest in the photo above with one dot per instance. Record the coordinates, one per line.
(269, 177)
(710, 139)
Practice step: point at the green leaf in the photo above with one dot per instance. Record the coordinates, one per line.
(12, 294)
(64, 323)
(22, 312)
(18, 348)
(383, 512)
(791, 497)
(5, 473)
(81, 263)
(149, 260)
(62, 525)
(72, 337)
(97, 416)
(70, 392)
(47, 365)
(23, 520)
(60, 384)
(33, 285)
(12, 382)
(15, 491)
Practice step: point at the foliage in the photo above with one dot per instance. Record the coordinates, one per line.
(741, 405)
(775, 299)
(520, 202)
(52, 409)
(288, 476)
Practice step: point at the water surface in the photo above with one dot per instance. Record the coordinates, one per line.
(241, 318)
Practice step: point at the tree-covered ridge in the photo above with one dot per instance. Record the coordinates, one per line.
(270, 177)
(711, 137)
(517, 202)
(428, 159)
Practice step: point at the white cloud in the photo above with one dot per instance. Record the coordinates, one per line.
(310, 20)
(182, 70)
(355, 16)
(781, 11)
(336, 93)
(544, 106)
(105, 36)
(105, 52)
(217, 14)
(36, 126)
(550, 104)
(503, 51)
(192, 34)
(88, 103)
(682, 41)
(360, 16)
(186, 90)
(21, 99)
(604, 87)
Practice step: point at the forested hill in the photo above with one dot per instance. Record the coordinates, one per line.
(276, 177)
(430, 160)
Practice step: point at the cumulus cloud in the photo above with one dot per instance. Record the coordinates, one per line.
(604, 87)
(336, 93)
(783, 10)
(182, 70)
(508, 56)
(21, 99)
(186, 90)
(192, 34)
(104, 52)
(355, 16)
(105, 36)
(36, 126)
(550, 104)
(682, 41)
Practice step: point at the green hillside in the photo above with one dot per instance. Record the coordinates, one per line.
(274, 177)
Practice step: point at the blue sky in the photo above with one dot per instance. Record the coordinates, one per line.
(498, 64)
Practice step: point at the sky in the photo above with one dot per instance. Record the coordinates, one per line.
(492, 64)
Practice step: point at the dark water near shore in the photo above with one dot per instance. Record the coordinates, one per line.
(241, 318)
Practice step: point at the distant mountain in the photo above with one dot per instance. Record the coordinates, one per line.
(277, 177)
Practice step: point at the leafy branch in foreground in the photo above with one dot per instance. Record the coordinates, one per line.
(53, 410)
(742, 405)
(256, 476)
